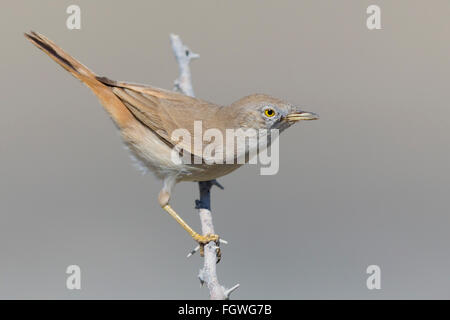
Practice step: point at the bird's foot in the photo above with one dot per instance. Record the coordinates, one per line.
(204, 240)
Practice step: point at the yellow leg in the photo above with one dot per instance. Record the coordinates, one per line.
(163, 199)
(202, 240)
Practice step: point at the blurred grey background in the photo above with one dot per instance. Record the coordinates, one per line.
(366, 184)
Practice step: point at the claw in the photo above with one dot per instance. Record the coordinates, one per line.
(203, 240)
(197, 248)
(218, 254)
(206, 238)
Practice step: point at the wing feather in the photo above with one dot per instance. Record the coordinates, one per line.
(164, 111)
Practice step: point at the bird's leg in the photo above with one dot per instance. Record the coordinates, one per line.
(164, 197)
(202, 240)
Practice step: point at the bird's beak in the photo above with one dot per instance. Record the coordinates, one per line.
(301, 115)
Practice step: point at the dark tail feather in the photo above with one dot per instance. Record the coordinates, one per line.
(117, 110)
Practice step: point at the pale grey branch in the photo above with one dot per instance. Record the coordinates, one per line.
(208, 274)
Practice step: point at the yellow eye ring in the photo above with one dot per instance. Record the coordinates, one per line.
(269, 112)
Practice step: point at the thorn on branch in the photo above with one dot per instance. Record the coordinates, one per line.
(217, 184)
(228, 292)
(190, 254)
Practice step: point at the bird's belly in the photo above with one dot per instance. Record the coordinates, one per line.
(206, 172)
(152, 153)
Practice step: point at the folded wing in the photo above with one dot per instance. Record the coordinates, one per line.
(164, 111)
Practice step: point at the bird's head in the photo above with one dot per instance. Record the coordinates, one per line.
(260, 111)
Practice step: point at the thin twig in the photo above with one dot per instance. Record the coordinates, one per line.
(208, 273)
(184, 56)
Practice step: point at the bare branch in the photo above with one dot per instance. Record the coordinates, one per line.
(208, 273)
(184, 56)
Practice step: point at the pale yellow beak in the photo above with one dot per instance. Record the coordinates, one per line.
(302, 115)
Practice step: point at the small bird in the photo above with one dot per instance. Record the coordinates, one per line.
(147, 116)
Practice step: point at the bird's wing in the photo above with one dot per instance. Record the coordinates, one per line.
(164, 111)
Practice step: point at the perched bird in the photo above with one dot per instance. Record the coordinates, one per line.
(148, 116)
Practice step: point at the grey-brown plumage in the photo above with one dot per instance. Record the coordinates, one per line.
(147, 117)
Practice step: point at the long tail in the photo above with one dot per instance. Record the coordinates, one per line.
(116, 109)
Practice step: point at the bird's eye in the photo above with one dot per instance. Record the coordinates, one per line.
(269, 112)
